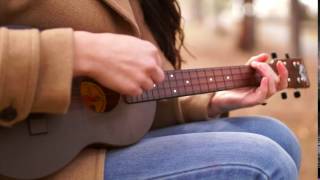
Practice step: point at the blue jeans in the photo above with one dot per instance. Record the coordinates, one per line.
(239, 148)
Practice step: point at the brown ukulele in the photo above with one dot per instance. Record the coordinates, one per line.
(43, 144)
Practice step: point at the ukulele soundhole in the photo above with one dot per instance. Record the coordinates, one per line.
(98, 98)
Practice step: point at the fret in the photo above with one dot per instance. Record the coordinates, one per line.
(174, 84)
(198, 78)
(188, 86)
(207, 78)
(144, 96)
(223, 79)
(162, 93)
(194, 81)
(138, 98)
(228, 79)
(155, 93)
(238, 76)
(219, 79)
(180, 83)
(167, 88)
(212, 80)
(203, 82)
(160, 88)
(150, 94)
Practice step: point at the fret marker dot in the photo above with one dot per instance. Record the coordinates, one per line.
(228, 77)
(289, 79)
(154, 85)
(174, 91)
(187, 82)
(210, 79)
(171, 75)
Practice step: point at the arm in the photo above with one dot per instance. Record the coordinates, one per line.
(36, 68)
(29, 64)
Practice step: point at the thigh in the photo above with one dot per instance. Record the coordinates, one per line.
(212, 155)
(266, 126)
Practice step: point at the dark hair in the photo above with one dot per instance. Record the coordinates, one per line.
(163, 17)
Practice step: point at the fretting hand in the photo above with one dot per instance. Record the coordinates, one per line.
(271, 83)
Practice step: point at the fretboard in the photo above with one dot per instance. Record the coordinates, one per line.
(179, 83)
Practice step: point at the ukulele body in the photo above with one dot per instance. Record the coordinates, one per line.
(44, 144)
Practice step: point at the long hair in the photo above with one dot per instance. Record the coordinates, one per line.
(163, 17)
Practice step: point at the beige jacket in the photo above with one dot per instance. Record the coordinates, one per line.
(36, 64)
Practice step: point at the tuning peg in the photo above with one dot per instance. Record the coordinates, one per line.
(287, 56)
(297, 94)
(274, 55)
(284, 95)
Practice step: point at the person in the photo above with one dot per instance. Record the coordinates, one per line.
(137, 40)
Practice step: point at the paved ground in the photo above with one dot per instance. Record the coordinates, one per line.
(300, 114)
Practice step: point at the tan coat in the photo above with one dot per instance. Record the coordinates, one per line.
(36, 66)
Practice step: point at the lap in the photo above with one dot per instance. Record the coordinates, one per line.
(211, 149)
(265, 126)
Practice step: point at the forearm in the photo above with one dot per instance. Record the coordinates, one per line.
(35, 72)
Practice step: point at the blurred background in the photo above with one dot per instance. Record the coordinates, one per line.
(229, 32)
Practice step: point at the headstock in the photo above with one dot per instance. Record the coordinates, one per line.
(297, 74)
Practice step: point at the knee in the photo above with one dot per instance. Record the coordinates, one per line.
(267, 156)
(278, 132)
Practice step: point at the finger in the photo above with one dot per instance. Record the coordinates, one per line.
(159, 59)
(157, 75)
(143, 81)
(147, 84)
(260, 94)
(131, 89)
(266, 71)
(259, 58)
(283, 75)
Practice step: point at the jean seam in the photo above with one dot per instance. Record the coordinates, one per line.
(207, 167)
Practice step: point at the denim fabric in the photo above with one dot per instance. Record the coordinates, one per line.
(240, 148)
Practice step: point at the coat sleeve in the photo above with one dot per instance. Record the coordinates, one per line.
(195, 108)
(35, 72)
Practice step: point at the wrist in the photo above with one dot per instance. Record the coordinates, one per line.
(81, 65)
(213, 109)
(217, 106)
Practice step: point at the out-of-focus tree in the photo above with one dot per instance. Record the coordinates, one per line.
(247, 32)
(295, 22)
(219, 6)
(197, 10)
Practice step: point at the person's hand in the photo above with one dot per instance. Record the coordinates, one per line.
(125, 64)
(271, 83)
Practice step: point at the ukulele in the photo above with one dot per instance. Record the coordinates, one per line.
(43, 144)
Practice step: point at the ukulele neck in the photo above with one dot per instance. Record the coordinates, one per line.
(179, 83)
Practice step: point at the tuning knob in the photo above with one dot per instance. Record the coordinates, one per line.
(297, 94)
(274, 55)
(284, 95)
(287, 56)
